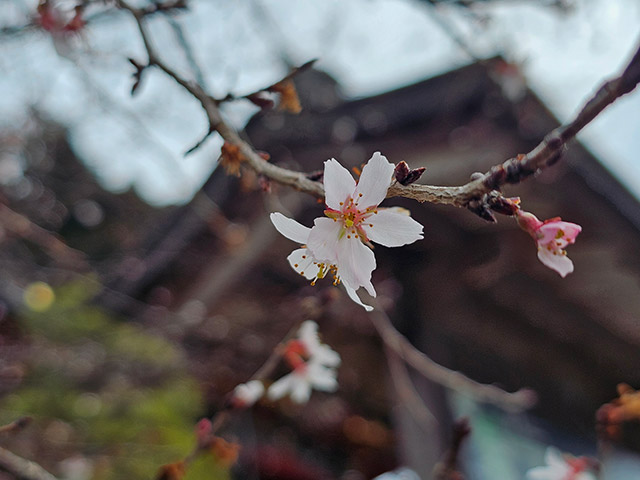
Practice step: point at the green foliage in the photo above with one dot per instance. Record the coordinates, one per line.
(123, 395)
(206, 467)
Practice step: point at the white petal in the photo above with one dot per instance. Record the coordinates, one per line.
(302, 261)
(308, 334)
(249, 393)
(550, 230)
(280, 388)
(542, 473)
(355, 263)
(560, 263)
(290, 228)
(585, 476)
(321, 378)
(324, 355)
(323, 239)
(300, 390)
(338, 184)
(553, 457)
(354, 296)
(392, 227)
(374, 182)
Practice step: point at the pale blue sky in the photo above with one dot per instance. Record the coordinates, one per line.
(370, 46)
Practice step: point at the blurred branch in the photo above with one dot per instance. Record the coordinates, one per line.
(16, 425)
(224, 415)
(448, 469)
(21, 226)
(21, 468)
(407, 391)
(186, 48)
(513, 170)
(450, 29)
(518, 401)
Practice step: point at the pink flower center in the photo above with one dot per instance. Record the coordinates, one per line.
(352, 218)
(555, 245)
(576, 466)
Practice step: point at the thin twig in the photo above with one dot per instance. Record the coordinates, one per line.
(512, 170)
(406, 390)
(521, 400)
(224, 415)
(16, 425)
(449, 469)
(21, 468)
(23, 227)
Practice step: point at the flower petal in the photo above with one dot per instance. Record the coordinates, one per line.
(322, 378)
(355, 263)
(392, 227)
(323, 239)
(354, 296)
(374, 182)
(542, 473)
(279, 389)
(338, 184)
(324, 355)
(290, 228)
(553, 458)
(300, 389)
(303, 262)
(308, 335)
(560, 263)
(568, 232)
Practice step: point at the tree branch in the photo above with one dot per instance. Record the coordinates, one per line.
(521, 400)
(512, 170)
(21, 468)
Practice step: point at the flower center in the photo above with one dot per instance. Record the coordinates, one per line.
(577, 466)
(352, 218)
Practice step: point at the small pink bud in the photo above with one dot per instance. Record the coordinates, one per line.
(203, 431)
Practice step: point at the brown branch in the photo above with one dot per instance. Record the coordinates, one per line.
(21, 468)
(22, 226)
(16, 425)
(224, 415)
(406, 390)
(542, 156)
(512, 170)
(448, 469)
(521, 400)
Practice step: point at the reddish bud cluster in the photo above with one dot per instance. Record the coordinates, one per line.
(172, 471)
(611, 416)
(51, 19)
(405, 176)
(231, 158)
(289, 101)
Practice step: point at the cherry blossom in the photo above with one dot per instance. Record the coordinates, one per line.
(563, 467)
(246, 394)
(551, 236)
(340, 242)
(313, 366)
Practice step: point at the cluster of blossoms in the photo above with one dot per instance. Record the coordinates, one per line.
(313, 367)
(551, 236)
(563, 467)
(57, 20)
(340, 243)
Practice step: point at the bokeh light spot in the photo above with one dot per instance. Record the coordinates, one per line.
(38, 296)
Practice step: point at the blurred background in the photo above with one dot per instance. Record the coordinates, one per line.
(139, 285)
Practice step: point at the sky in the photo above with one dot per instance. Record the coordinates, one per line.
(369, 46)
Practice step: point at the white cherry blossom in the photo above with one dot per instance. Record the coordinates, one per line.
(246, 394)
(562, 467)
(308, 376)
(313, 366)
(340, 243)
